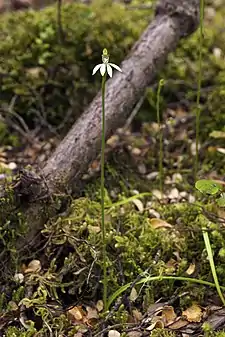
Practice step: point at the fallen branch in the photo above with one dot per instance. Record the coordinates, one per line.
(174, 19)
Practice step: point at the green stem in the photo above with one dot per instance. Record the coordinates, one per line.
(161, 83)
(103, 230)
(198, 112)
(212, 265)
(117, 293)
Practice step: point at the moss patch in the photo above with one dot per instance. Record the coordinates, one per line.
(48, 76)
(72, 258)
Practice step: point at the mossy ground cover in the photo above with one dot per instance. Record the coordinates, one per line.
(70, 264)
(45, 76)
(42, 75)
(48, 79)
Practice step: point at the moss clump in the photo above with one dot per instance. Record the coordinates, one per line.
(49, 75)
(6, 137)
(162, 333)
(15, 332)
(180, 71)
(217, 334)
(131, 241)
(72, 259)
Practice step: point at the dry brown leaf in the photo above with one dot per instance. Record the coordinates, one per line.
(171, 266)
(180, 112)
(78, 334)
(18, 277)
(133, 294)
(139, 204)
(35, 71)
(193, 313)
(137, 315)
(136, 151)
(76, 314)
(178, 324)
(174, 194)
(168, 314)
(113, 333)
(159, 223)
(221, 212)
(94, 229)
(33, 267)
(134, 334)
(113, 141)
(92, 313)
(191, 269)
(221, 150)
(13, 306)
(177, 255)
(157, 194)
(157, 324)
(95, 165)
(99, 305)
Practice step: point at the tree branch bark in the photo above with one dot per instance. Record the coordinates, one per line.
(174, 19)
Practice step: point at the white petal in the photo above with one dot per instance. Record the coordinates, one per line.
(109, 70)
(103, 69)
(96, 69)
(115, 66)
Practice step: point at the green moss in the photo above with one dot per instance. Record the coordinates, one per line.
(131, 241)
(15, 332)
(180, 72)
(162, 333)
(208, 331)
(73, 257)
(6, 137)
(49, 76)
(218, 334)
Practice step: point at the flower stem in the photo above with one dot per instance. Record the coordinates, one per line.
(103, 230)
(198, 112)
(161, 83)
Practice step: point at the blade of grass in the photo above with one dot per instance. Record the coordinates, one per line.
(212, 265)
(117, 293)
(127, 200)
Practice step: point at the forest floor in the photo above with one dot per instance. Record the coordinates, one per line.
(134, 200)
(161, 280)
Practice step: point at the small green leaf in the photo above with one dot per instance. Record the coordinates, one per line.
(206, 186)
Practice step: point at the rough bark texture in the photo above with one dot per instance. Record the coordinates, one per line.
(174, 19)
(186, 12)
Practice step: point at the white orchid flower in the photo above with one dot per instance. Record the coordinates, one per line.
(105, 66)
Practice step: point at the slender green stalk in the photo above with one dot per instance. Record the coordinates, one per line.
(103, 229)
(198, 111)
(212, 265)
(105, 68)
(127, 200)
(117, 293)
(161, 83)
